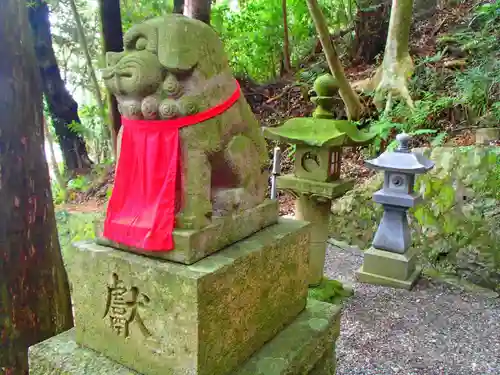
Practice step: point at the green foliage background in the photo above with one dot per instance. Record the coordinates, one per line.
(254, 36)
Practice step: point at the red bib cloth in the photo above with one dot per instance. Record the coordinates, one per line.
(141, 210)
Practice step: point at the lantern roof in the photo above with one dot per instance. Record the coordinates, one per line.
(319, 132)
(402, 159)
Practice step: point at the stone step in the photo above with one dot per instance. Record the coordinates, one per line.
(306, 346)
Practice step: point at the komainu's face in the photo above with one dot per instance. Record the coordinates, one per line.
(136, 72)
(171, 67)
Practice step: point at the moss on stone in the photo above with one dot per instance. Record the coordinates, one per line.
(319, 132)
(209, 316)
(326, 85)
(61, 355)
(355, 216)
(193, 245)
(299, 347)
(303, 348)
(331, 291)
(326, 190)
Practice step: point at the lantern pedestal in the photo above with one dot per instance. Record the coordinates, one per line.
(313, 204)
(317, 213)
(393, 233)
(381, 267)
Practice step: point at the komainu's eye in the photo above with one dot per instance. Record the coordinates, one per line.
(141, 44)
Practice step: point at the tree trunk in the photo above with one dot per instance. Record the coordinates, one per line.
(106, 132)
(370, 26)
(399, 30)
(34, 293)
(112, 39)
(397, 67)
(286, 39)
(198, 9)
(63, 108)
(354, 108)
(179, 6)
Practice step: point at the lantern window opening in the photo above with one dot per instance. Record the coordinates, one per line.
(335, 163)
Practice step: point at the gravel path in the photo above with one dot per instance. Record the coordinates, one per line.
(433, 329)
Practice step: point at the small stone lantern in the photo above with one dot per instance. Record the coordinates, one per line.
(390, 261)
(315, 180)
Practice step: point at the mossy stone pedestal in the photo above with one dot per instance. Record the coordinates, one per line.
(315, 209)
(241, 310)
(305, 347)
(316, 212)
(315, 181)
(193, 245)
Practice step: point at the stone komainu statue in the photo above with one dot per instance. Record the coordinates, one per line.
(175, 67)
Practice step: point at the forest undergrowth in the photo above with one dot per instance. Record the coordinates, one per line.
(455, 87)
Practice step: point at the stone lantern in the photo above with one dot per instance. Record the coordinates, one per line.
(315, 180)
(391, 261)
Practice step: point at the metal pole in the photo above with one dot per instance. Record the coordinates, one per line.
(276, 171)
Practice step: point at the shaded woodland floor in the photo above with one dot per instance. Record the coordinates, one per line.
(435, 329)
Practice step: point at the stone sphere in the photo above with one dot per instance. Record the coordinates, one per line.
(326, 85)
